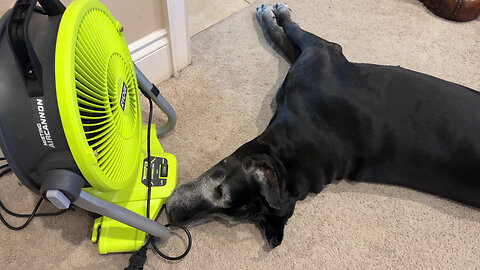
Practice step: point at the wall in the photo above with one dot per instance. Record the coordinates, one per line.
(5, 5)
(138, 17)
(158, 40)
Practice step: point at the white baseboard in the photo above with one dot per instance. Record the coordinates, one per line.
(165, 52)
(153, 56)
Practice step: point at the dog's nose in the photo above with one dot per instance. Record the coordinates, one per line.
(170, 217)
(176, 215)
(175, 211)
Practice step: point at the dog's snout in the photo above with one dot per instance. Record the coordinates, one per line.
(177, 216)
(180, 213)
(175, 208)
(181, 206)
(195, 199)
(176, 211)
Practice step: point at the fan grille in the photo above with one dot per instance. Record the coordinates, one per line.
(98, 96)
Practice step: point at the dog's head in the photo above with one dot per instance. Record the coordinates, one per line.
(240, 187)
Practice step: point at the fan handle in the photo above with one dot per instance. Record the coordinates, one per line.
(21, 45)
(63, 187)
(122, 214)
(152, 91)
(52, 7)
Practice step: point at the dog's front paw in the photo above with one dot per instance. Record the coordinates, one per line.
(281, 9)
(265, 12)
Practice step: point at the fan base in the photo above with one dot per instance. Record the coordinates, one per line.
(113, 236)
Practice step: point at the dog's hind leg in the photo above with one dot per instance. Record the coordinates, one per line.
(275, 33)
(299, 37)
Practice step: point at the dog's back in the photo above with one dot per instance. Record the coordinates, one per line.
(431, 131)
(403, 127)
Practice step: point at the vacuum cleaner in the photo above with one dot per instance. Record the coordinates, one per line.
(71, 123)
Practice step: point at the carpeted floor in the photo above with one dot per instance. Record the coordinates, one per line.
(223, 99)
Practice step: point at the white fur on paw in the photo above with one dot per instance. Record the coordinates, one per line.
(279, 8)
(265, 11)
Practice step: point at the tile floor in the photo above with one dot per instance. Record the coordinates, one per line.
(205, 13)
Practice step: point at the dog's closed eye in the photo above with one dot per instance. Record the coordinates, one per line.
(218, 175)
(219, 190)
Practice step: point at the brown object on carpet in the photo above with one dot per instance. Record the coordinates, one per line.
(223, 100)
(454, 10)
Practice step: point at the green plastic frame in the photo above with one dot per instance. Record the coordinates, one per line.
(85, 156)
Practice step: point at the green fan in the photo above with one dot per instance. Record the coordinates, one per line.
(70, 118)
(99, 108)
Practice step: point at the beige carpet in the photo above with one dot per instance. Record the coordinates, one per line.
(223, 99)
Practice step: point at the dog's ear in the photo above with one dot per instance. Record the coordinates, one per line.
(263, 171)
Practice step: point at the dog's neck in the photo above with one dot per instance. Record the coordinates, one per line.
(300, 158)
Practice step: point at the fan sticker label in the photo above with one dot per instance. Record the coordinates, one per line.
(123, 98)
(42, 125)
(159, 167)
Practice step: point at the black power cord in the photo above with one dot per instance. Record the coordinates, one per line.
(149, 175)
(149, 155)
(154, 245)
(138, 259)
(13, 214)
(29, 217)
(5, 172)
(6, 167)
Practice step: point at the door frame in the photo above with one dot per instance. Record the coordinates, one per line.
(165, 52)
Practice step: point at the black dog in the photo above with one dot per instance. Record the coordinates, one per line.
(341, 120)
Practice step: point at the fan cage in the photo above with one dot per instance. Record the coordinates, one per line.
(98, 96)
